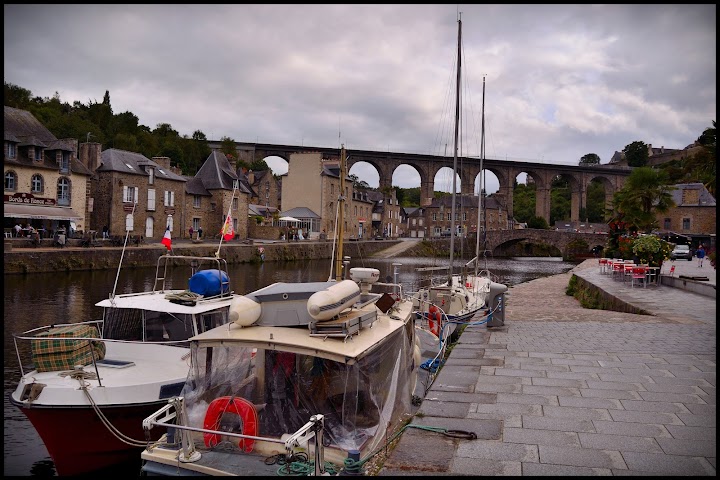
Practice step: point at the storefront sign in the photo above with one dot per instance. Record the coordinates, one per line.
(28, 199)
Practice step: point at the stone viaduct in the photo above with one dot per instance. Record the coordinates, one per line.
(427, 166)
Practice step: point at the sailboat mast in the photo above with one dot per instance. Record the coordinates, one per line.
(457, 129)
(481, 213)
(341, 219)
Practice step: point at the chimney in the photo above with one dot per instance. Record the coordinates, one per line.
(162, 161)
(90, 155)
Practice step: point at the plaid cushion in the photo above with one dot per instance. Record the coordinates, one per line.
(53, 354)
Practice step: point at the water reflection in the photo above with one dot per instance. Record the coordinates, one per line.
(40, 299)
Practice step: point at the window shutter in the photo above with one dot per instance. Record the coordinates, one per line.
(172, 199)
(135, 199)
(125, 194)
(151, 199)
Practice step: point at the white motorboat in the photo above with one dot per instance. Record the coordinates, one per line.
(92, 382)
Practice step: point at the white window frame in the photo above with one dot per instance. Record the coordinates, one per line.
(10, 181)
(36, 179)
(196, 201)
(151, 177)
(151, 199)
(12, 150)
(169, 198)
(130, 194)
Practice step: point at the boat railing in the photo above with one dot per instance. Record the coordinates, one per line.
(174, 416)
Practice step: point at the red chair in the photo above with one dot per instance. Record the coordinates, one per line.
(603, 262)
(638, 273)
(672, 271)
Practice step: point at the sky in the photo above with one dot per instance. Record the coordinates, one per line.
(561, 81)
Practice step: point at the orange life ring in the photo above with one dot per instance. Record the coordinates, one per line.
(239, 406)
(434, 318)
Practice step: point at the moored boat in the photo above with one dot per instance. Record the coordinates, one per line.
(91, 383)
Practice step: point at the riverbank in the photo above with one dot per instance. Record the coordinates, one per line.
(563, 390)
(104, 256)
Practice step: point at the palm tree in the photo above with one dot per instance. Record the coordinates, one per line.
(645, 194)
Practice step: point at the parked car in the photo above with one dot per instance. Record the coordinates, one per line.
(681, 251)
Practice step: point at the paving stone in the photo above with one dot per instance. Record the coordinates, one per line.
(543, 470)
(643, 406)
(485, 467)
(479, 449)
(510, 409)
(584, 402)
(692, 420)
(556, 391)
(668, 388)
(474, 361)
(671, 397)
(484, 429)
(509, 420)
(619, 442)
(637, 386)
(674, 446)
(578, 413)
(460, 397)
(692, 433)
(581, 457)
(540, 437)
(645, 417)
(526, 399)
(498, 388)
(617, 394)
(667, 464)
(701, 409)
(444, 409)
(494, 379)
(561, 424)
(558, 382)
(421, 451)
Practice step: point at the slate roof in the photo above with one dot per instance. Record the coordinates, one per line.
(300, 213)
(114, 160)
(216, 173)
(262, 210)
(21, 127)
(705, 198)
(194, 186)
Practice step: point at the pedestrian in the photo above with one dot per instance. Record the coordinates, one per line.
(18, 228)
(191, 232)
(199, 233)
(105, 232)
(700, 255)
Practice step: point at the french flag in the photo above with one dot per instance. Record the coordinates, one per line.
(167, 241)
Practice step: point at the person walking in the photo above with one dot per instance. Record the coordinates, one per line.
(700, 255)
(105, 232)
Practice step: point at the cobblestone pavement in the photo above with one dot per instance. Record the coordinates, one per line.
(563, 390)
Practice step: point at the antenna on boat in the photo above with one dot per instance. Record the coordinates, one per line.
(340, 216)
(127, 234)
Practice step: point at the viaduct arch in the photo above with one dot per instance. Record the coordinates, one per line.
(579, 177)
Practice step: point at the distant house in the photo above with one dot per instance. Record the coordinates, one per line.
(45, 183)
(438, 215)
(210, 197)
(658, 156)
(132, 192)
(694, 214)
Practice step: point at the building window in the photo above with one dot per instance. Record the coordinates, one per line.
(196, 223)
(212, 206)
(151, 177)
(151, 199)
(434, 217)
(130, 194)
(666, 224)
(332, 189)
(196, 202)
(235, 203)
(36, 184)
(448, 217)
(12, 150)
(64, 162)
(169, 198)
(10, 181)
(38, 154)
(63, 192)
(686, 224)
(356, 211)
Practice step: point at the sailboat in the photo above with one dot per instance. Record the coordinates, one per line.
(307, 376)
(461, 296)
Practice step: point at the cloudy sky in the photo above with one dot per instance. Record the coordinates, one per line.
(562, 81)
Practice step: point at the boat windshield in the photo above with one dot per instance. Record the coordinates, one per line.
(359, 399)
(134, 324)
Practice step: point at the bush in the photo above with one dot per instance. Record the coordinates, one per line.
(651, 250)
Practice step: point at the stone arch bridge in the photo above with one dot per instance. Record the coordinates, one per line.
(542, 174)
(497, 240)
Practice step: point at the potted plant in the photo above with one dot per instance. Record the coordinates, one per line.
(651, 250)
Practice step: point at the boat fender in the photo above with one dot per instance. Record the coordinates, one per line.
(327, 303)
(244, 311)
(434, 318)
(239, 406)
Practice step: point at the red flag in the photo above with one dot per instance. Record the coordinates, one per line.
(167, 241)
(227, 230)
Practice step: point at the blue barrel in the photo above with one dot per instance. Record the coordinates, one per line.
(208, 282)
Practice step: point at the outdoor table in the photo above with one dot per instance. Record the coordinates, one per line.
(652, 276)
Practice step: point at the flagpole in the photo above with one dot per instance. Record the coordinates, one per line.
(222, 231)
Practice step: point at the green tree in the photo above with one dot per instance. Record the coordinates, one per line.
(524, 202)
(636, 154)
(645, 194)
(17, 97)
(589, 159)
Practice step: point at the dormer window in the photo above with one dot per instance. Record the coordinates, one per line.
(151, 176)
(12, 150)
(64, 162)
(129, 166)
(38, 154)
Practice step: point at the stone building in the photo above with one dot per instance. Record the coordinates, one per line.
(313, 182)
(264, 188)
(694, 214)
(438, 215)
(386, 214)
(131, 192)
(658, 156)
(45, 183)
(415, 223)
(210, 196)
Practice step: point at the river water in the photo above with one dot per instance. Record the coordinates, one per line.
(34, 300)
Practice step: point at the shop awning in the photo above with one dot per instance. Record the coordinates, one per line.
(18, 210)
